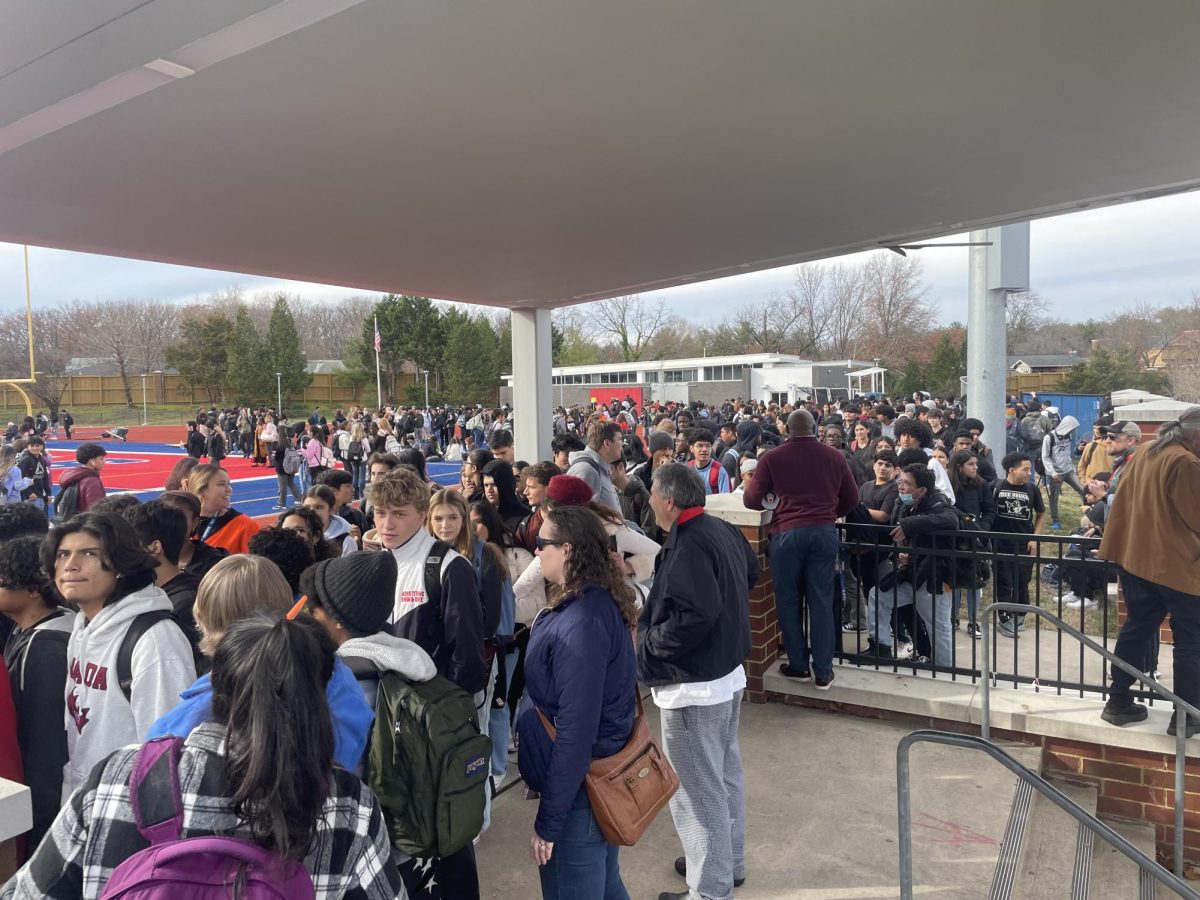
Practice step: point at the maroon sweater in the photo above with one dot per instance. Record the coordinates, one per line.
(812, 481)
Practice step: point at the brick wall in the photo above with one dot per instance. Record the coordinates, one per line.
(764, 623)
(1131, 784)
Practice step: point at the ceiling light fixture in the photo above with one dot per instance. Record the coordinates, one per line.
(166, 67)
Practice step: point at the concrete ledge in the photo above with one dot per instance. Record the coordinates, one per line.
(16, 809)
(729, 508)
(1023, 710)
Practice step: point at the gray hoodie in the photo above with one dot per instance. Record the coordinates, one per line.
(591, 467)
(1057, 458)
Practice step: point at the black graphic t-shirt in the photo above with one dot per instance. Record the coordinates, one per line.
(1017, 507)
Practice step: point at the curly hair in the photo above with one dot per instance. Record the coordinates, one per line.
(21, 567)
(589, 562)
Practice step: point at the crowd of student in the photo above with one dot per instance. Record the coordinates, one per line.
(274, 666)
(181, 628)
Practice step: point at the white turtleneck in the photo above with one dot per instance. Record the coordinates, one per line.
(410, 573)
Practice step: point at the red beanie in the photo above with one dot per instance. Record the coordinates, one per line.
(569, 490)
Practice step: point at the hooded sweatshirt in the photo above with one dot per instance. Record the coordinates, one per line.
(339, 532)
(98, 718)
(349, 712)
(591, 467)
(391, 654)
(1056, 448)
(91, 489)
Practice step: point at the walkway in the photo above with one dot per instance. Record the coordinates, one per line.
(821, 817)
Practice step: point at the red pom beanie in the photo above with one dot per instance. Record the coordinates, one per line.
(569, 490)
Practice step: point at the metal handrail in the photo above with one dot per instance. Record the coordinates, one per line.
(1039, 784)
(1182, 707)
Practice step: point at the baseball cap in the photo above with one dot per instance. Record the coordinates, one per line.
(1123, 427)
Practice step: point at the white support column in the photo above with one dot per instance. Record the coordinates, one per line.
(532, 395)
(994, 272)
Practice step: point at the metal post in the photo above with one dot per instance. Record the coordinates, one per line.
(904, 820)
(279, 394)
(426, 388)
(1180, 769)
(987, 343)
(985, 687)
(145, 418)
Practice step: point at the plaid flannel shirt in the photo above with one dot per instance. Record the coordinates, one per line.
(95, 831)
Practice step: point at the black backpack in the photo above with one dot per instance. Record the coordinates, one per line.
(66, 504)
(139, 626)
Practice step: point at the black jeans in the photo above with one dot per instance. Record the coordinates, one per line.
(1146, 605)
(1012, 581)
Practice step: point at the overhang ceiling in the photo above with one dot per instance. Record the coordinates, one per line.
(526, 153)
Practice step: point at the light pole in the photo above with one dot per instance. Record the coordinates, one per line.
(145, 418)
(279, 394)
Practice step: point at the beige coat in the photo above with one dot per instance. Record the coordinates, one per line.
(1153, 529)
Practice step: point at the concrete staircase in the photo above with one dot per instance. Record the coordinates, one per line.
(1046, 854)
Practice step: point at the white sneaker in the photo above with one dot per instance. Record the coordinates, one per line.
(904, 650)
(1070, 599)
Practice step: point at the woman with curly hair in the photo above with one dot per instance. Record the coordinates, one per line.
(580, 672)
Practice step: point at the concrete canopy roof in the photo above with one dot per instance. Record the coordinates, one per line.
(531, 154)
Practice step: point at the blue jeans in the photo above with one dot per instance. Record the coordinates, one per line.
(358, 472)
(803, 558)
(305, 478)
(583, 865)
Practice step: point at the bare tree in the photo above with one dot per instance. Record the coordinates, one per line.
(767, 325)
(55, 341)
(133, 334)
(896, 307)
(809, 302)
(630, 321)
(1026, 315)
(1138, 329)
(843, 307)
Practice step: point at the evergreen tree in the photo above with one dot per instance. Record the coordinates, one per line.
(283, 353)
(947, 366)
(200, 356)
(1106, 371)
(472, 357)
(250, 379)
(911, 381)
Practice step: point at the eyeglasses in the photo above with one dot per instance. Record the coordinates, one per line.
(543, 543)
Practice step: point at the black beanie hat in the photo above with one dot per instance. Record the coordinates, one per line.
(358, 590)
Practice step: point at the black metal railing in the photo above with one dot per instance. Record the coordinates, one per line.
(916, 619)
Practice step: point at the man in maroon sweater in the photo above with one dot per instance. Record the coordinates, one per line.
(808, 485)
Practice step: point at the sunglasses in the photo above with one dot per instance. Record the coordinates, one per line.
(543, 543)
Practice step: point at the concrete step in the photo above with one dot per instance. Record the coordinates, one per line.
(1054, 855)
(1114, 877)
(961, 803)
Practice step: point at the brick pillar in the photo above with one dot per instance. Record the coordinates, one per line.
(764, 623)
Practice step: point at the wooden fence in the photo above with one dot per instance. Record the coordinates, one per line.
(325, 389)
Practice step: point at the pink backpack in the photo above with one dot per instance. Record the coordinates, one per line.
(199, 868)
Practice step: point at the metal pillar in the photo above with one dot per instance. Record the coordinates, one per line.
(532, 396)
(994, 272)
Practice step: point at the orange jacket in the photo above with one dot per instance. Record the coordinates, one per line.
(233, 534)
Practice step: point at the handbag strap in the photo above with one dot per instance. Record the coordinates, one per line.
(553, 732)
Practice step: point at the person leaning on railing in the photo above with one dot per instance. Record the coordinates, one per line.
(1153, 534)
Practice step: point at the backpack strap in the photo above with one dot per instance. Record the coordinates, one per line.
(154, 791)
(433, 574)
(138, 627)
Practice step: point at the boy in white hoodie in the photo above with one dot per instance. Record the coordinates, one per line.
(98, 564)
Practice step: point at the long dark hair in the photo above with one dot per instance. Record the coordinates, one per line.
(958, 478)
(268, 682)
(414, 458)
(589, 561)
(497, 533)
(121, 551)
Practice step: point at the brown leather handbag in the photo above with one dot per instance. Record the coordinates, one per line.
(628, 789)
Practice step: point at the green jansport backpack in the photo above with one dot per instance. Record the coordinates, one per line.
(428, 764)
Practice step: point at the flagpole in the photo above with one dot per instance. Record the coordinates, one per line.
(378, 381)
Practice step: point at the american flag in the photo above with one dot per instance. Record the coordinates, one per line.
(378, 340)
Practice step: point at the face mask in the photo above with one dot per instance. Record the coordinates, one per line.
(907, 499)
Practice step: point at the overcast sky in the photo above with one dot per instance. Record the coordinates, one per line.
(1088, 264)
